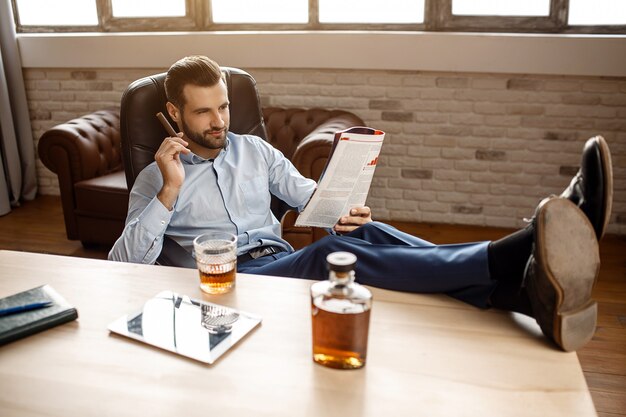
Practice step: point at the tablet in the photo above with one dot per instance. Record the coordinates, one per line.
(193, 328)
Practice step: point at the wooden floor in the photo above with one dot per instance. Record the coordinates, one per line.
(37, 226)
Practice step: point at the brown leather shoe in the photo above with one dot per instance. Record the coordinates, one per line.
(562, 272)
(591, 188)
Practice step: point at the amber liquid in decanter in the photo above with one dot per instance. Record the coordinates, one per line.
(340, 314)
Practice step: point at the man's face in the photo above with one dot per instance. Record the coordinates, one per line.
(206, 117)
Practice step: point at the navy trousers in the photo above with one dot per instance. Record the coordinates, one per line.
(391, 259)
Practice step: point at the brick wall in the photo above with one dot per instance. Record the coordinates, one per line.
(460, 148)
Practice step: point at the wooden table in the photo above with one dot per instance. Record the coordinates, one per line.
(428, 355)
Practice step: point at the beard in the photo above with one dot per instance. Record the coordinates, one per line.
(205, 138)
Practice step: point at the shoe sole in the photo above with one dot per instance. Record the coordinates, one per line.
(607, 173)
(568, 257)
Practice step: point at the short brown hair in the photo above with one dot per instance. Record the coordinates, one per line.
(196, 70)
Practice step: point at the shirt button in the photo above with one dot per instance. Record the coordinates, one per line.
(162, 221)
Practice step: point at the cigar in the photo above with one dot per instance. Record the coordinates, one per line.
(168, 127)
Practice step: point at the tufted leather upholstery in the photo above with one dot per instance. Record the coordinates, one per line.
(306, 136)
(85, 155)
(95, 148)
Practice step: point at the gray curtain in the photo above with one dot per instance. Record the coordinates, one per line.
(18, 177)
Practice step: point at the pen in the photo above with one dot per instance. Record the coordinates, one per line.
(26, 307)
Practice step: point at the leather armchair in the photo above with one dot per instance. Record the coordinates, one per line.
(142, 133)
(86, 155)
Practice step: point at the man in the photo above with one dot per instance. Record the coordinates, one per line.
(208, 178)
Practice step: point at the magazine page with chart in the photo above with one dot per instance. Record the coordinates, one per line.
(346, 179)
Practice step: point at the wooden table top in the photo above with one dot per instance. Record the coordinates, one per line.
(428, 354)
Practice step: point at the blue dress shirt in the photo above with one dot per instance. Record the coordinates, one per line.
(230, 193)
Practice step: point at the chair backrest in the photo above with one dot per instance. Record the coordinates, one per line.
(142, 133)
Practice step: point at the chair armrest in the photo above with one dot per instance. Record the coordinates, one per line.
(83, 148)
(312, 152)
(172, 254)
(300, 236)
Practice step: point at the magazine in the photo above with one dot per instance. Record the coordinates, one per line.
(346, 178)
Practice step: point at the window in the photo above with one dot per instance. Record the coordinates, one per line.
(501, 7)
(500, 16)
(147, 8)
(597, 12)
(54, 13)
(371, 11)
(544, 16)
(256, 11)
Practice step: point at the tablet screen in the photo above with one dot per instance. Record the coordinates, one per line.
(197, 329)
